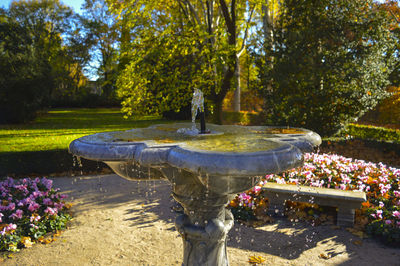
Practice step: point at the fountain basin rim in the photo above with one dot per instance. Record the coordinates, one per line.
(214, 163)
(278, 153)
(80, 144)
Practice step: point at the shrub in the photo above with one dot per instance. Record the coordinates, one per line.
(372, 132)
(30, 208)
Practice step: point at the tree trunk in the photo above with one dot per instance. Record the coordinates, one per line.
(268, 35)
(236, 99)
(218, 111)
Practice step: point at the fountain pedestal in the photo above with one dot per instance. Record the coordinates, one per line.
(206, 222)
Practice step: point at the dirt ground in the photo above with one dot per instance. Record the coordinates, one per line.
(120, 222)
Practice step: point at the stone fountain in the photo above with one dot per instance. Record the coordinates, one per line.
(206, 170)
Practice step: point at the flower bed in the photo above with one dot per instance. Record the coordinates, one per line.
(30, 209)
(380, 214)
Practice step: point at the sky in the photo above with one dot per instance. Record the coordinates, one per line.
(75, 4)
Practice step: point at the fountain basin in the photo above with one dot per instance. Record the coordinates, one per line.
(231, 150)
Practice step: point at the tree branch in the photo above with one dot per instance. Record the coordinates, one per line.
(246, 32)
(193, 11)
(230, 20)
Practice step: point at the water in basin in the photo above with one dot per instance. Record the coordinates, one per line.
(233, 139)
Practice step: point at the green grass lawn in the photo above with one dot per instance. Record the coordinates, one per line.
(55, 129)
(41, 146)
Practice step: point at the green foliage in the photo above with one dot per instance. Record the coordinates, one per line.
(242, 118)
(24, 77)
(329, 62)
(156, 80)
(384, 232)
(389, 109)
(372, 132)
(243, 213)
(169, 48)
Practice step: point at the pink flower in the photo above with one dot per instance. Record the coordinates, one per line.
(379, 214)
(396, 214)
(1, 215)
(257, 189)
(268, 177)
(384, 188)
(50, 211)
(35, 218)
(33, 206)
(381, 204)
(280, 180)
(11, 227)
(345, 179)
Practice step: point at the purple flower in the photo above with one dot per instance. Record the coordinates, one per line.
(17, 215)
(47, 183)
(47, 201)
(62, 196)
(388, 222)
(11, 206)
(59, 206)
(33, 206)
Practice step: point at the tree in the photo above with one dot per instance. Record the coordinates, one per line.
(30, 51)
(180, 45)
(329, 62)
(101, 26)
(46, 21)
(22, 74)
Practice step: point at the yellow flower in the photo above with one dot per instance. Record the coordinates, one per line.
(26, 241)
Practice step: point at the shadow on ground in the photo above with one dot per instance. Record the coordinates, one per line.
(149, 201)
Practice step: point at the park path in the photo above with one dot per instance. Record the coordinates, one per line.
(120, 222)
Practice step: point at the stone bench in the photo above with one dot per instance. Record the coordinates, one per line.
(345, 201)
